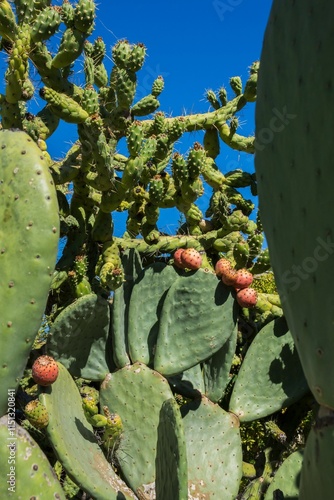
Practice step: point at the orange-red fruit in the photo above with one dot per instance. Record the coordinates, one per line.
(222, 266)
(242, 279)
(191, 259)
(45, 370)
(228, 276)
(247, 297)
(177, 258)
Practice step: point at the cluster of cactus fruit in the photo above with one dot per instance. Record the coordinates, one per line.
(133, 357)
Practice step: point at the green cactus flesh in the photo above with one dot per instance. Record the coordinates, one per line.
(28, 241)
(79, 337)
(197, 318)
(287, 478)
(132, 266)
(171, 459)
(76, 445)
(270, 377)
(143, 322)
(26, 471)
(136, 393)
(316, 479)
(213, 450)
(292, 151)
(189, 383)
(216, 369)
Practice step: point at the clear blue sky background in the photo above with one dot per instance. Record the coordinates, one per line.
(195, 45)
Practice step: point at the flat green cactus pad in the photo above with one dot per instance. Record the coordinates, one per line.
(197, 318)
(171, 460)
(26, 472)
(294, 171)
(29, 232)
(216, 370)
(132, 266)
(136, 393)
(213, 450)
(316, 479)
(79, 337)
(270, 377)
(287, 478)
(144, 310)
(75, 443)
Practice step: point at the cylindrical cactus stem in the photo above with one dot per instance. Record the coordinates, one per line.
(213, 100)
(46, 24)
(236, 141)
(212, 175)
(8, 26)
(125, 86)
(64, 106)
(71, 46)
(67, 169)
(17, 71)
(157, 86)
(211, 143)
(236, 85)
(203, 121)
(98, 51)
(84, 14)
(145, 106)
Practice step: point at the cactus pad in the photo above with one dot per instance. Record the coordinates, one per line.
(78, 337)
(28, 249)
(136, 393)
(271, 376)
(75, 443)
(197, 318)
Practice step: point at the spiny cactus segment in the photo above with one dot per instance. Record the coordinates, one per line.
(155, 335)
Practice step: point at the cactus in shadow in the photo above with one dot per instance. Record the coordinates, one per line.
(301, 246)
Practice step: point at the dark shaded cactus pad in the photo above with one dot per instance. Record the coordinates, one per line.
(270, 377)
(287, 478)
(171, 460)
(197, 317)
(292, 151)
(145, 307)
(79, 337)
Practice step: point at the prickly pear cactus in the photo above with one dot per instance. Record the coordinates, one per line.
(27, 472)
(28, 239)
(297, 222)
(75, 444)
(160, 392)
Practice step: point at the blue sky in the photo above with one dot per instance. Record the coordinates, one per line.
(195, 45)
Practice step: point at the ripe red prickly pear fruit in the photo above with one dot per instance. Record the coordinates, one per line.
(228, 276)
(222, 266)
(45, 370)
(177, 258)
(247, 297)
(191, 259)
(242, 279)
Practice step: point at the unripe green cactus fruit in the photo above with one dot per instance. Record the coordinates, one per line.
(28, 241)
